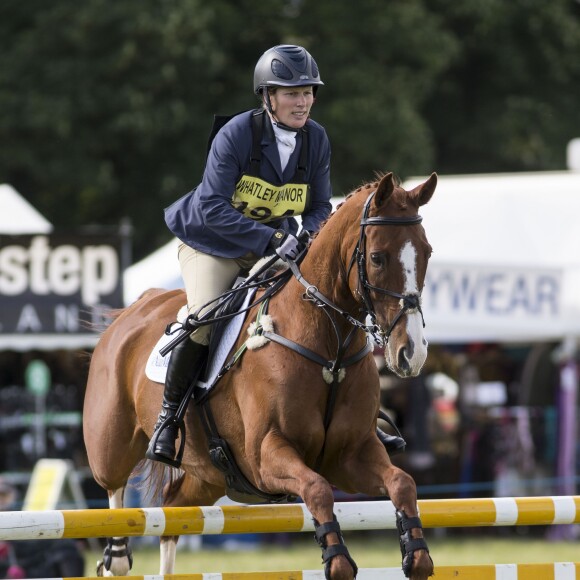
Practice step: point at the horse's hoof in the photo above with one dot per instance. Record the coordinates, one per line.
(101, 571)
(341, 569)
(422, 566)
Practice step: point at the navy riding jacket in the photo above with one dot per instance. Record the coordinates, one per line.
(205, 218)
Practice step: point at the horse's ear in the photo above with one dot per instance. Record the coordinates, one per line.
(424, 192)
(385, 189)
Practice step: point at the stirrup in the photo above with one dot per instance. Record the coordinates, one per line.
(150, 453)
(393, 444)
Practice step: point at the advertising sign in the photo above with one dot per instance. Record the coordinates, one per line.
(477, 303)
(58, 283)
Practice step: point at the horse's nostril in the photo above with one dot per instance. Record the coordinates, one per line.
(402, 359)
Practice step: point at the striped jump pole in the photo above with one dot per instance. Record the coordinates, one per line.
(236, 519)
(557, 571)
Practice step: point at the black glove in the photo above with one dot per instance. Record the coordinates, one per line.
(305, 237)
(285, 245)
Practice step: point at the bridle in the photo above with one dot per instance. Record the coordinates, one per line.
(409, 302)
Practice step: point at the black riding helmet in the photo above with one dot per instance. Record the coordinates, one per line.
(286, 65)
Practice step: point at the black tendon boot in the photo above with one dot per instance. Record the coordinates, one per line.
(185, 365)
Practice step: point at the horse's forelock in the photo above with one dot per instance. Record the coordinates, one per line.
(400, 198)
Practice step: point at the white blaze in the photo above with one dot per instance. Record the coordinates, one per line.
(418, 351)
(408, 259)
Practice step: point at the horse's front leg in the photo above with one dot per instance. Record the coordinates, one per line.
(283, 470)
(371, 472)
(117, 557)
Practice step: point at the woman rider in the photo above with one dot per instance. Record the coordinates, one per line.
(264, 167)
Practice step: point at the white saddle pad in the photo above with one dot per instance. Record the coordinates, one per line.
(156, 367)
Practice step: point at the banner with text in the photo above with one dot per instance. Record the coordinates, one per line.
(58, 283)
(464, 303)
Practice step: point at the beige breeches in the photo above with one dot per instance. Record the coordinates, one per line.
(206, 277)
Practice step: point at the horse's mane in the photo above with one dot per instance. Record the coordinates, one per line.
(366, 185)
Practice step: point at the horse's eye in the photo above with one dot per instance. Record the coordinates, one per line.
(378, 259)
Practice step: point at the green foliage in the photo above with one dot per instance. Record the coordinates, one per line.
(508, 100)
(106, 107)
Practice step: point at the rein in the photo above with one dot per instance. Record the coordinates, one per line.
(195, 320)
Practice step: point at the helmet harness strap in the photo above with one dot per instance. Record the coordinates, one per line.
(268, 102)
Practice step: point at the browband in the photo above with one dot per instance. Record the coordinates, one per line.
(392, 221)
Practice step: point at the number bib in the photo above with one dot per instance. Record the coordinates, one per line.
(261, 201)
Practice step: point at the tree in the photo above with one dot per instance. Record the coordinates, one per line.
(508, 101)
(381, 61)
(106, 107)
(106, 110)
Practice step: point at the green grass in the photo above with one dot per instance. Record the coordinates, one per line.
(372, 551)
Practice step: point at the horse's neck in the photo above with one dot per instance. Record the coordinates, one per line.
(323, 268)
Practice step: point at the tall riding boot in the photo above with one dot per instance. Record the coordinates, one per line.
(392, 443)
(185, 365)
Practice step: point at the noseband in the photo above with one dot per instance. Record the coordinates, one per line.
(408, 302)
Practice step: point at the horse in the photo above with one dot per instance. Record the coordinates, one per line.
(294, 429)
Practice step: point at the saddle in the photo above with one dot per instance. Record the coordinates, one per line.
(224, 335)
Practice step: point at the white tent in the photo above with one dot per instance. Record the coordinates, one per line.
(158, 270)
(17, 216)
(505, 265)
(506, 259)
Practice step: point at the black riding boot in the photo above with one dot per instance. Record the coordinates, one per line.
(185, 365)
(392, 443)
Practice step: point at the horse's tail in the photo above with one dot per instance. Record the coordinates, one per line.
(109, 315)
(157, 482)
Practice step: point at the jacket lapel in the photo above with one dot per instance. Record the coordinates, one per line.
(290, 170)
(270, 149)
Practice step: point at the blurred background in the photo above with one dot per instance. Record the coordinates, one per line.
(105, 111)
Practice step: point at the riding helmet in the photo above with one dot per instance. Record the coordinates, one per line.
(286, 65)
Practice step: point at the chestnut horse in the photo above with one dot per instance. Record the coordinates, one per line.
(368, 262)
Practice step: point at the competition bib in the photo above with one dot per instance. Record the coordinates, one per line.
(261, 201)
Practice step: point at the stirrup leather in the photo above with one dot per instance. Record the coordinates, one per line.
(329, 552)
